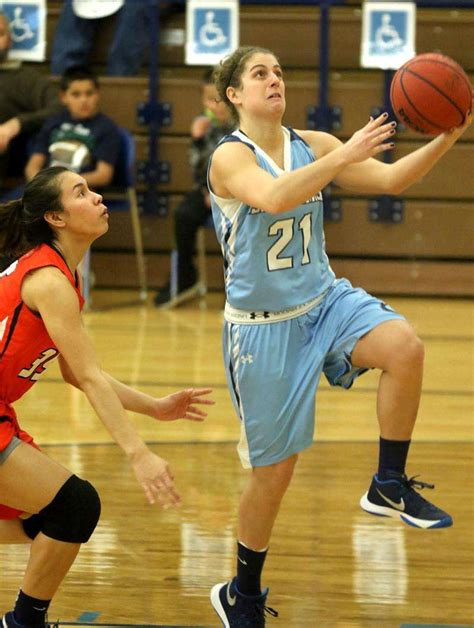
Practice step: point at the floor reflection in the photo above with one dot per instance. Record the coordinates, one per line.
(380, 562)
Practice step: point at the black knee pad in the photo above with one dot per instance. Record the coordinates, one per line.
(73, 514)
(32, 525)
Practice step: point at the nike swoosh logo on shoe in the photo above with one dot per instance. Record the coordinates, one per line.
(397, 505)
(244, 562)
(230, 600)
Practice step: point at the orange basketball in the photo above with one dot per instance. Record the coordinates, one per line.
(431, 93)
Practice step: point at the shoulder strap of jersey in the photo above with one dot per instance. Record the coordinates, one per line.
(294, 136)
(236, 136)
(232, 137)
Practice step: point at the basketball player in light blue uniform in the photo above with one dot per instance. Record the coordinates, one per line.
(277, 271)
(288, 319)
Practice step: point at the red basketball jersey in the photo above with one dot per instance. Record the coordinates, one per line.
(25, 345)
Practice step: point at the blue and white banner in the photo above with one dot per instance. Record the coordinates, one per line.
(388, 34)
(212, 30)
(27, 28)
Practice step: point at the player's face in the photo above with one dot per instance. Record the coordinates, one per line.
(262, 88)
(84, 212)
(210, 100)
(81, 98)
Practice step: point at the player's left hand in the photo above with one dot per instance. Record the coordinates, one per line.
(155, 477)
(459, 130)
(183, 405)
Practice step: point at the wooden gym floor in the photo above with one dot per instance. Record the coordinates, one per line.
(330, 564)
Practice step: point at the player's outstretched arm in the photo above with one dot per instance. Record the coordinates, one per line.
(178, 405)
(235, 173)
(48, 292)
(413, 167)
(372, 176)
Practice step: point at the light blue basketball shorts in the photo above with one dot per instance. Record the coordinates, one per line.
(273, 369)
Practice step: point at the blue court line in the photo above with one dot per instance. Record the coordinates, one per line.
(88, 617)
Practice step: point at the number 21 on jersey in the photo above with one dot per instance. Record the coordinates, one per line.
(285, 230)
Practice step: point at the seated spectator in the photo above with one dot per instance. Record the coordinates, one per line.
(79, 21)
(193, 211)
(27, 98)
(80, 138)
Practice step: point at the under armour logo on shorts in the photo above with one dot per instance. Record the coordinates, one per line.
(247, 359)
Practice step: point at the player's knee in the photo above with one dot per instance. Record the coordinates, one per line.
(73, 514)
(284, 470)
(410, 351)
(417, 349)
(277, 476)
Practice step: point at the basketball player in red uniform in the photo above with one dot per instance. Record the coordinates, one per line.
(47, 232)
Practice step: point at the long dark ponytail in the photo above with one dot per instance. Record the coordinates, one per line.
(22, 223)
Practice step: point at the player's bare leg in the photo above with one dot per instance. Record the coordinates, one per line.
(30, 481)
(260, 502)
(394, 348)
(241, 601)
(12, 532)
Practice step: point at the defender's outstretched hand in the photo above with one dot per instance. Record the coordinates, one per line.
(155, 477)
(183, 405)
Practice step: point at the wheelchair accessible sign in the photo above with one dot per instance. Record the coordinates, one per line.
(27, 20)
(388, 34)
(212, 30)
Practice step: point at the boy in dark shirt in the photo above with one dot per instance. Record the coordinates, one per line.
(80, 138)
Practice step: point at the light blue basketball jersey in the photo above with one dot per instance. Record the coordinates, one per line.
(272, 262)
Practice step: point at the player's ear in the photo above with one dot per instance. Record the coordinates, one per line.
(231, 94)
(55, 219)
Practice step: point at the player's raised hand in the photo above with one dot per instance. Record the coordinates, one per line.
(183, 405)
(370, 139)
(155, 477)
(459, 130)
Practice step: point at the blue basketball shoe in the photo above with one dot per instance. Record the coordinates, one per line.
(237, 610)
(9, 621)
(397, 498)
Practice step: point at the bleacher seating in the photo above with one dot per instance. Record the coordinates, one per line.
(434, 238)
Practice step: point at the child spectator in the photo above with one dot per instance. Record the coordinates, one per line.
(81, 138)
(193, 211)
